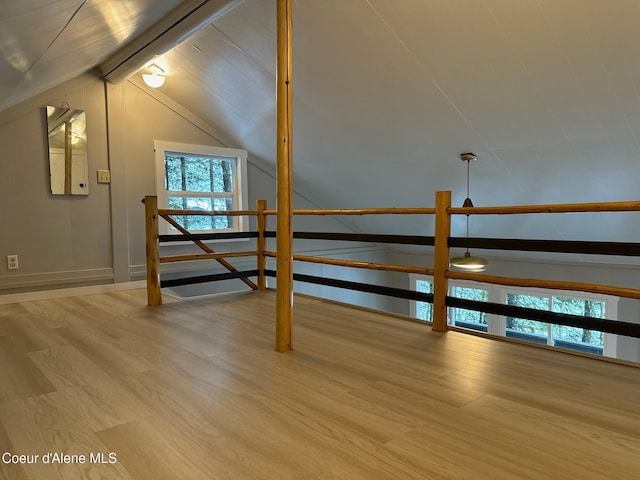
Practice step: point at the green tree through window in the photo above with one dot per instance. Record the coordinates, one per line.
(200, 174)
(424, 310)
(469, 318)
(578, 306)
(523, 325)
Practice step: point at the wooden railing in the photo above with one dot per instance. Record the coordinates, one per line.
(441, 242)
(154, 260)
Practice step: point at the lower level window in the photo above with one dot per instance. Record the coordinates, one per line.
(582, 339)
(457, 316)
(424, 310)
(525, 329)
(469, 318)
(573, 303)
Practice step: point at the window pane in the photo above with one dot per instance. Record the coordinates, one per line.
(469, 318)
(173, 173)
(424, 310)
(222, 171)
(195, 222)
(198, 174)
(223, 205)
(527, 329)
(574, 337)
(578, 306)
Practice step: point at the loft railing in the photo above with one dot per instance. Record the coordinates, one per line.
(441, 241)
(152, 216)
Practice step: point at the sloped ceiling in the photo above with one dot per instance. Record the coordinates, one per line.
(388, 93)
(45, 42)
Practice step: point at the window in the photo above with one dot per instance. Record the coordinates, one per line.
(457, 316)
(574, 338)
(561, 334)
(468, 318)
(522, 329)
(199, 177)
(573, 303)
(424, 310)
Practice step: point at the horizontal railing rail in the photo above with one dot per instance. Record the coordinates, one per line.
(176, 282)
(593, 207)
(186, 257)
(548, 284)
(359, 211)
(360, 237)
(629, 249)
(356, 264)
(205, 236)
(205, 213)
(591, 323)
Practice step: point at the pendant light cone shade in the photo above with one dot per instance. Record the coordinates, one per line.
(468, 262)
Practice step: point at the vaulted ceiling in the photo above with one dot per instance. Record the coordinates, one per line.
(388, 93)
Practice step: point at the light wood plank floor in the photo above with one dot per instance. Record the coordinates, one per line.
(194, 390)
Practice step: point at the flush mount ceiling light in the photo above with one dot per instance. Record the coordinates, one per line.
(468, 262)
(156, 78)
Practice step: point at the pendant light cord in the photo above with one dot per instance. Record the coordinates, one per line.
(467, 232)
(468, 175)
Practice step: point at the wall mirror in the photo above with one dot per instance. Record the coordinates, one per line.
(67, 134)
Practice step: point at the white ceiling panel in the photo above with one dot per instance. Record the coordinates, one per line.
(71, 37)
(22, 44)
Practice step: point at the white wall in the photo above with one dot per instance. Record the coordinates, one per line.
(59, 239)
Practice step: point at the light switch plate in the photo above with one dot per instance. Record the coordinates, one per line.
(104, 176)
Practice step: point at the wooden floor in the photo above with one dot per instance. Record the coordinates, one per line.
(194, 390)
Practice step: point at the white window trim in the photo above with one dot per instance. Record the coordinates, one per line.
(496, 324)
(240, 179)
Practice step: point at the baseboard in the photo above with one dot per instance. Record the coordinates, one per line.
(17, 283)
(70, 292)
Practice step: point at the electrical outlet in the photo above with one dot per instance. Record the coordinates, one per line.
(12, 262)
(104, 176)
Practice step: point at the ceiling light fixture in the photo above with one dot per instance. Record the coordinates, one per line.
(468, 262)
(156, 78)
(171, 30)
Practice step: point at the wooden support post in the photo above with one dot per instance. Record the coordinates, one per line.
(261, 244)
(154, 295)
(441, 260)
(284, 173)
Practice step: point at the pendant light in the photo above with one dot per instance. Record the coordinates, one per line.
(468, 263)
